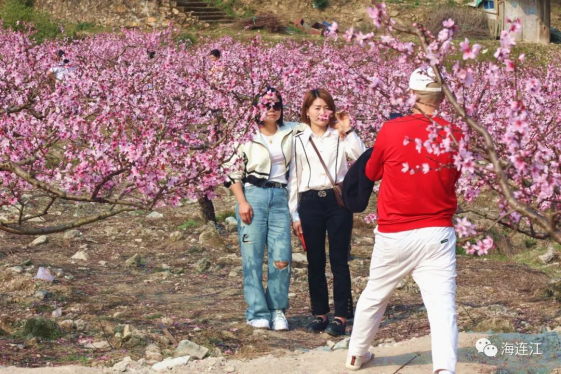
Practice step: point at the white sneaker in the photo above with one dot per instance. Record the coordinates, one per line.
(355, 362)
(279, 321)
(259, 323)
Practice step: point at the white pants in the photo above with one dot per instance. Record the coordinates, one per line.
(429, 254)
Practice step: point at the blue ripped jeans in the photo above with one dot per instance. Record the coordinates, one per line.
(270, 226)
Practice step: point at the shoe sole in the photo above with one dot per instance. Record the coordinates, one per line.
(355, 368)
(333, 333)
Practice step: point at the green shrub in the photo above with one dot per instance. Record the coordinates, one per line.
(41, 327)
(320, 4)
(17, 13)
(81, 26)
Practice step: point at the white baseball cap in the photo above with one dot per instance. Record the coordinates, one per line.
(421, 78)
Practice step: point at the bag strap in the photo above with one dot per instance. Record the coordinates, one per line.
(322, 163)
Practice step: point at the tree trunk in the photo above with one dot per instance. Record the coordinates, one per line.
(207, 209)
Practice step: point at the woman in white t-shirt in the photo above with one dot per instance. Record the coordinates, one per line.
(262, 213)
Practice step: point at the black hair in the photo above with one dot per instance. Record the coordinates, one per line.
(151, 54)
(215, 53)
(60, 53)
(65, 61)
(268, 90)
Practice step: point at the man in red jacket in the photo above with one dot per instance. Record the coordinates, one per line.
(413, 157)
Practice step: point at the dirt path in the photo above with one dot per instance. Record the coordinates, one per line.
(408, 357)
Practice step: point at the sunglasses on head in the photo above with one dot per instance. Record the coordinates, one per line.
(275, 106)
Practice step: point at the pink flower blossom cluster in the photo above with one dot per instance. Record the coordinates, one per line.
(124, 129)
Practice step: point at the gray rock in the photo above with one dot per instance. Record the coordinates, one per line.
(122, 366)
(343, 344)
(171, 363)
(495, 325)
(72, 234)
(188, 348)
(152, 348)
(155, 216)
(39, 241)
(322, 349)
(176, 236)
(137, 339)
(553, 289)
(16, 269)
(550, 256)
(203, 265)
(41, 294)
(58, 272)
(401, 285)
(299, 257)
(66, 325)
(211, 238)
(134, 261)
(81, 255)
(233, 274)
(98, 345)
(127, 331)
(81, 325)
(231, 222)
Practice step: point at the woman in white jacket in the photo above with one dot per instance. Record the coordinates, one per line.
(263, 215)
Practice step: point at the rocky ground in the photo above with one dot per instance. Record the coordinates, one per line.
(136, 284)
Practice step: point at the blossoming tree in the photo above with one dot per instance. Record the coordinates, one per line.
(140, 121)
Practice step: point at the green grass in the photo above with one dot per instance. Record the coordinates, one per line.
(81, 26)
(154, 316)
(221, 217)
(293, 30)
(17, 14)
(186, 37)
(20, 14)
(189, 224)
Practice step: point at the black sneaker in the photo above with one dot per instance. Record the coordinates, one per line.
(318, 325)
(336, 327)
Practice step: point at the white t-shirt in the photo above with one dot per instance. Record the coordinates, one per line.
(61, 71)
(278, 165)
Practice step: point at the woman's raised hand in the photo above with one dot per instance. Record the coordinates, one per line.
(343, 123)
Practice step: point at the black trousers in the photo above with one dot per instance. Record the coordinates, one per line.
(319, 214)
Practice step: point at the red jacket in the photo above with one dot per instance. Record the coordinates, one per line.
(411, 201)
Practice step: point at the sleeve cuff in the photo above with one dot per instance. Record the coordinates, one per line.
(295, 217)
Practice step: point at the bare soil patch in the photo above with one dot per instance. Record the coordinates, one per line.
(207, 307)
